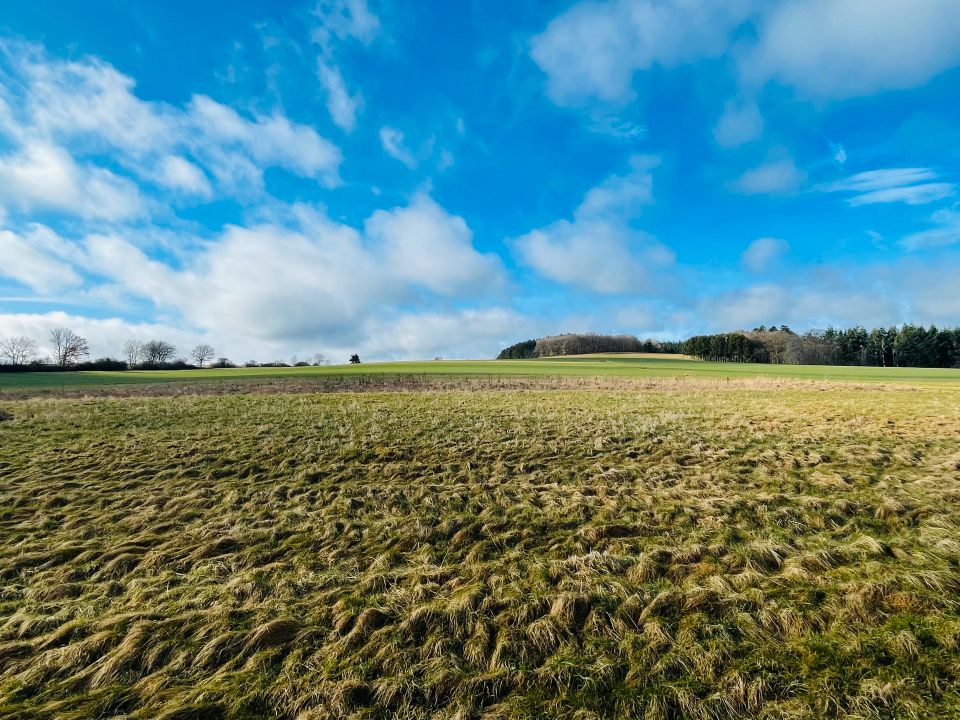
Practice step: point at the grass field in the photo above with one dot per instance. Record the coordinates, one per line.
(689, 552)
(602, 366)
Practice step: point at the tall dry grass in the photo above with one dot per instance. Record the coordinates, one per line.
(681, 552)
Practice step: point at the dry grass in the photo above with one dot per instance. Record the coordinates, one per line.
(374, 382)
(680, 552)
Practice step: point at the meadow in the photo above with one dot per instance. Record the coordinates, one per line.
(622, 365)
(679, 550)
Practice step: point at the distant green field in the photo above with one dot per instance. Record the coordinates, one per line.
(625, 365)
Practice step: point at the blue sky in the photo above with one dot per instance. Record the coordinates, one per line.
(409, 180)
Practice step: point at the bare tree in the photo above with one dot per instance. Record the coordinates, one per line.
(18, 350)
(320, 359)
(158, 352)
(68, 347)
(133, 349)
(202, 353)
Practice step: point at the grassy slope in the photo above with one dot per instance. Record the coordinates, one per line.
(593, 365)
(708, 553)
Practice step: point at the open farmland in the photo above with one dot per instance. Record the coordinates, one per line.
(685, 550)
(622, 365)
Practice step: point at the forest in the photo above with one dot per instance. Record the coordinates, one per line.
(583, 344)
(904, 346)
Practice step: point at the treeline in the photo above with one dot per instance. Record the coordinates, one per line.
(905, 346)
(584, 344)
(68, 351)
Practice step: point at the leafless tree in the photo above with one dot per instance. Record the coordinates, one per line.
(776, 344)
(202, 353)
(320, 359)
(68, 347)
(18, 350)
(133, 349)
(583, 343)
(157, 352)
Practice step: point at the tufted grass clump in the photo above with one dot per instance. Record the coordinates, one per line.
(669, 552)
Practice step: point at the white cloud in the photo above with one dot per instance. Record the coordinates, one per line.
(839, 153)
(740, 123)
(340, 103)
(599, 250)
(807, 303)
(342, 19)
(86, 99)
(830, 49)
(180, 174)
(464, 333)
(301, 275)
(32, 259)
(42, 176)
(105, 335)
(424, 245)
(763, 253)
(615, 127)
(338, 21)
(62, 117)
(446, 160)
(468, 333)
(392, 141)
(273, 140)
(824, 49)
(946, 231)
(912, 186)
(593, 49)
(779, 176)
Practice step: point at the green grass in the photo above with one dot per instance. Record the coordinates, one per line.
(697, 552)
(603, 366)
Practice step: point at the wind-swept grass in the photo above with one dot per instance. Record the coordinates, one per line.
(680, 552)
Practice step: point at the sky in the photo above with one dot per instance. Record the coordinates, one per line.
(410, 180)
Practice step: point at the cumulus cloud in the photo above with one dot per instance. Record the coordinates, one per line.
(425, 245)
(105, 335)
(799, 305)
(593, 49)
(830, 49)
(912, 185)
(302, 275)
(61, 118)
(33, 259)
(42, 176)
(778, 176)
(181, 175)
(599, 249)
(270, 140)
(466, 333)
(823, 49)
(763, 253)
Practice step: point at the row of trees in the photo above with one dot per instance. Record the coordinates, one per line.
(68, 350)
(904, 346)
(583, 344)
